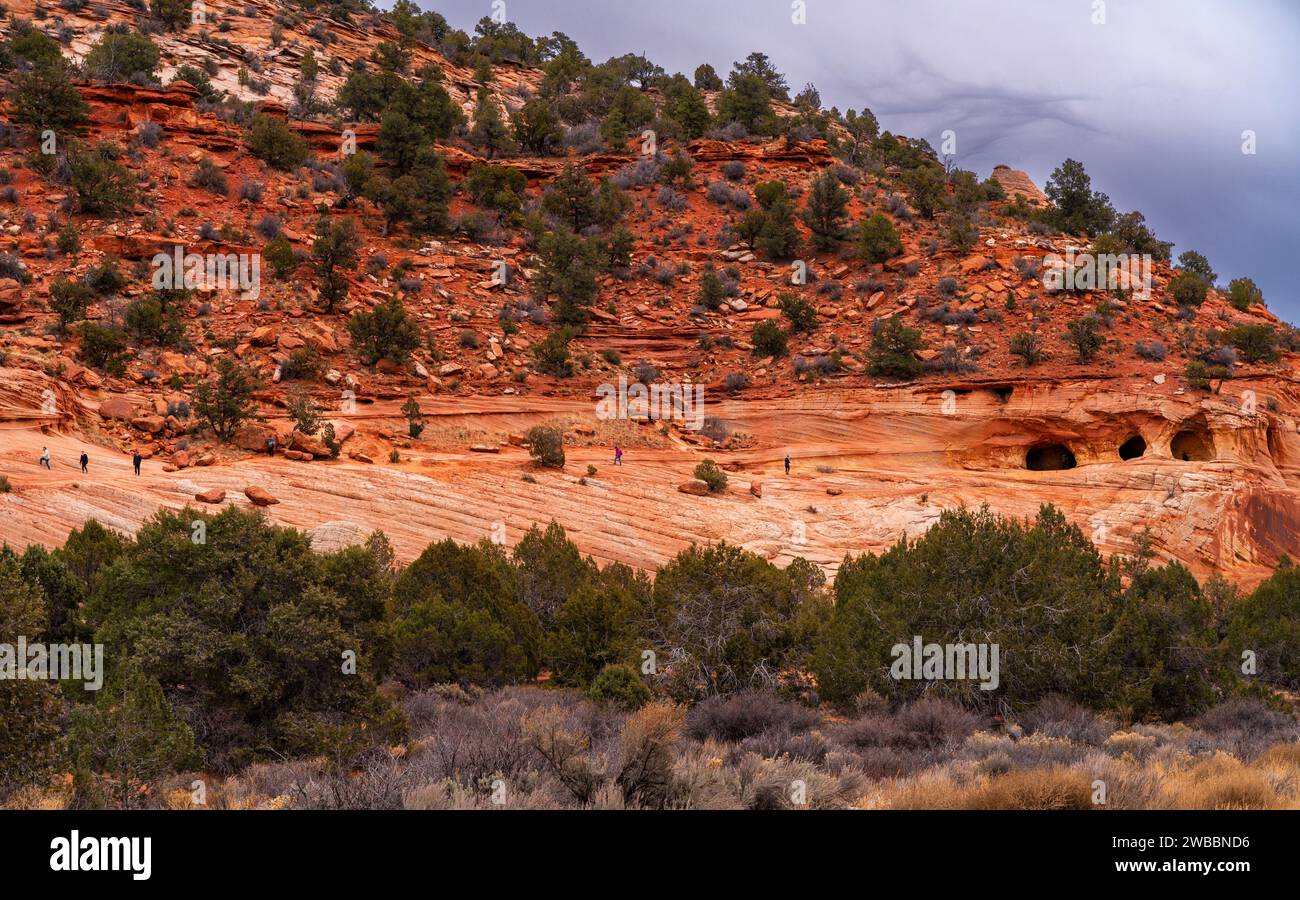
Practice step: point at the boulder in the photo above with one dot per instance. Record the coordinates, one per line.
(259, 496)
(263, 337)
(117, 408)
(151, 424)
(307, 443)
(694, 486)
(253, 437)
(756, 488)
(212, 495)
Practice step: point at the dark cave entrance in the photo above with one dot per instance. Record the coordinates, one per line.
(1192, 445)
(1133, 448)
(1049, 458)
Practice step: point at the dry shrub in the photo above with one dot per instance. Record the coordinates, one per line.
(1282, 756)
(1056, 787)
(1129, 784)
(932, 789)
(808, 745)
(779, 783)
(873, 729)
(1220, 781)
(747, 714)
(650, 737)
(1059, 717)
(564, 753)
(29, 797)
(1139, 746)
(1044, 750)
(1244, 727)
(1243, 789)
(701, 780)
(1280, 765)
(530, 792)
(931, 723)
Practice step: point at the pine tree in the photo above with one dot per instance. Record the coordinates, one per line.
(489, 131)
(826, 212)
(226, 403)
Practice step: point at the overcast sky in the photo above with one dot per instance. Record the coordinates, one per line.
(1153, 102)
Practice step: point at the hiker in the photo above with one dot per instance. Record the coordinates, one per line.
(85, 461)
(787, 463)
(135, 461)
(45, 457)
(270, 446)
(618, 455)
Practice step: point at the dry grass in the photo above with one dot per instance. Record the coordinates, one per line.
(534, 748)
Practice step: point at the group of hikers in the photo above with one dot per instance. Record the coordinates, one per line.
(270, 451)
(136, 459)
(618, 458)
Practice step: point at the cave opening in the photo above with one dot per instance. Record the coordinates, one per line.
(1002, 392)
(1133, 448)
(1192, 445)
(1049, 458)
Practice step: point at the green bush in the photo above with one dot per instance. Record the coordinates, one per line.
(279, 255)
(621, 686)
(769, 339)
(272, 140)
(121, 55)
(893, 349)
(270, 627)
(1187, 289)
(1028, 346)
(455, 618)
(876, 238)
(1243, 294)
(552, 354)
(546, 446)
(1063, 620)
(826, 211)
(1257, 343)
(226, 401)
(103, 185)
(103, 347)
(708, 472)
(69, 301)
(1085, 336)
(385, 333)
(1267, 625)
(44, 97)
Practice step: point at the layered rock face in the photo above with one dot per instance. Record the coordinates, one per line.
(1121, 443)
(869, 466)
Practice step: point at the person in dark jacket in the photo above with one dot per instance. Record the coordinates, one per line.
(136, 460)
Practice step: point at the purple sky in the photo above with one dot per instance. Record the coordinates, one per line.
(1153, 102)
